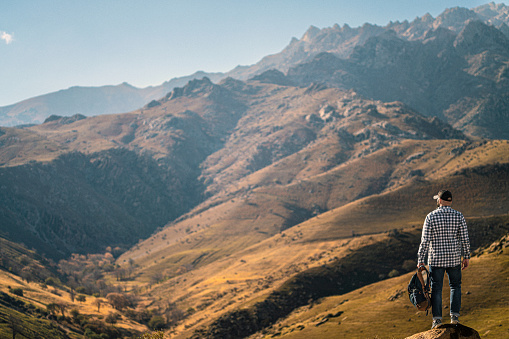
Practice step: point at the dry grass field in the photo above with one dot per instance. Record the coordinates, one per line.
(41, 296)
(383, 310)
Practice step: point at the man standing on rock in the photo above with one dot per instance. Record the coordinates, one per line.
(444, 241)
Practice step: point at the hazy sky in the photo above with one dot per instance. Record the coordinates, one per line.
(48, 45)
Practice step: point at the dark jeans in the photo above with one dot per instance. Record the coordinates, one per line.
(437, 281)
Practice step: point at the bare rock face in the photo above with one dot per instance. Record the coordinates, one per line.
(447, 331)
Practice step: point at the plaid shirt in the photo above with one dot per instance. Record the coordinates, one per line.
(444, 238)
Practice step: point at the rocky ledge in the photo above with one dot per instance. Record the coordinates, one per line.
(446, 331)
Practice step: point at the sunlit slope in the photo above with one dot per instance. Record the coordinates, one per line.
(29, 285)
(383, 310)
(233, 253)
(371, 259)
(335, 204)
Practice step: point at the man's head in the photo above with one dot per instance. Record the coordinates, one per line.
(443, 198)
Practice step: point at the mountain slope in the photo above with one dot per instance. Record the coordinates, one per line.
(385, 306)
(455, 77)
(275, 208)
(242, 145)
(91, 191)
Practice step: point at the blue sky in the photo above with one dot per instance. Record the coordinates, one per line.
(49, 45)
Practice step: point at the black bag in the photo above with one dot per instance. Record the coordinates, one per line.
(418, 291)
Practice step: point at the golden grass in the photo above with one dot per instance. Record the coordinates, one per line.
(246, 257)
(35, 294)
(369, 313)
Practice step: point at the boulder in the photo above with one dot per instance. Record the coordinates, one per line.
(448, 331)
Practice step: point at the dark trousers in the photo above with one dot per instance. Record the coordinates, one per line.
(437, 282)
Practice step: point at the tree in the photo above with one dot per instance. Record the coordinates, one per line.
(173, 314)
(111, 318)
(75, 313)
(81, 298)
(17, 291)
(98, 302)
(120, 274)
(156, 322)
(52, 308)
(52, 281)
(117, 300)
(62, 307)
(27, 274)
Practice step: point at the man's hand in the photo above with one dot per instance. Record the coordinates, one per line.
(464, 264)
(421, 267)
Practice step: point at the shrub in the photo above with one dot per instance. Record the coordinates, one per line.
(112, 318)
(89, 333)
(81, 289)
(153, 335)
(74, 313)
(119, 301)
(393, 273)
(17, 291)
(52, 281)
(157, 322)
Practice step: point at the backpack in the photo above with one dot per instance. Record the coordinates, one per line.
(418, 291)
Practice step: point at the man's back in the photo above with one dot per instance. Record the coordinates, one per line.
(444, 237)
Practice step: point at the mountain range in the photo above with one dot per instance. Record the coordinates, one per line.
(238, 205)
(453, 67)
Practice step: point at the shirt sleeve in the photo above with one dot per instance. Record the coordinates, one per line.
(465, 241)
(425, 240)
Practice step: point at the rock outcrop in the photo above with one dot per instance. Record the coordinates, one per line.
(446, 331)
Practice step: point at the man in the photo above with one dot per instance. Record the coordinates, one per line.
(444, 241)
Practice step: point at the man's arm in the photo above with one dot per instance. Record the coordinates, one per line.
(425, 239)
(465, 243)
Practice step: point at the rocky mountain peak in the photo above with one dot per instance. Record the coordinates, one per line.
(427, 18)
(492, 13)
(477, 37)
(312, 32)
(455, 18)
(193, 87)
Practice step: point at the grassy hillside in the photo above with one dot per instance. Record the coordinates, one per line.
(35, 303)
(382, 310)
(264, 192)
(252, 275)
(327, 206)
(36, 306)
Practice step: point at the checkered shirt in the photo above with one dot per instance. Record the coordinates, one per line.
(444, 238)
